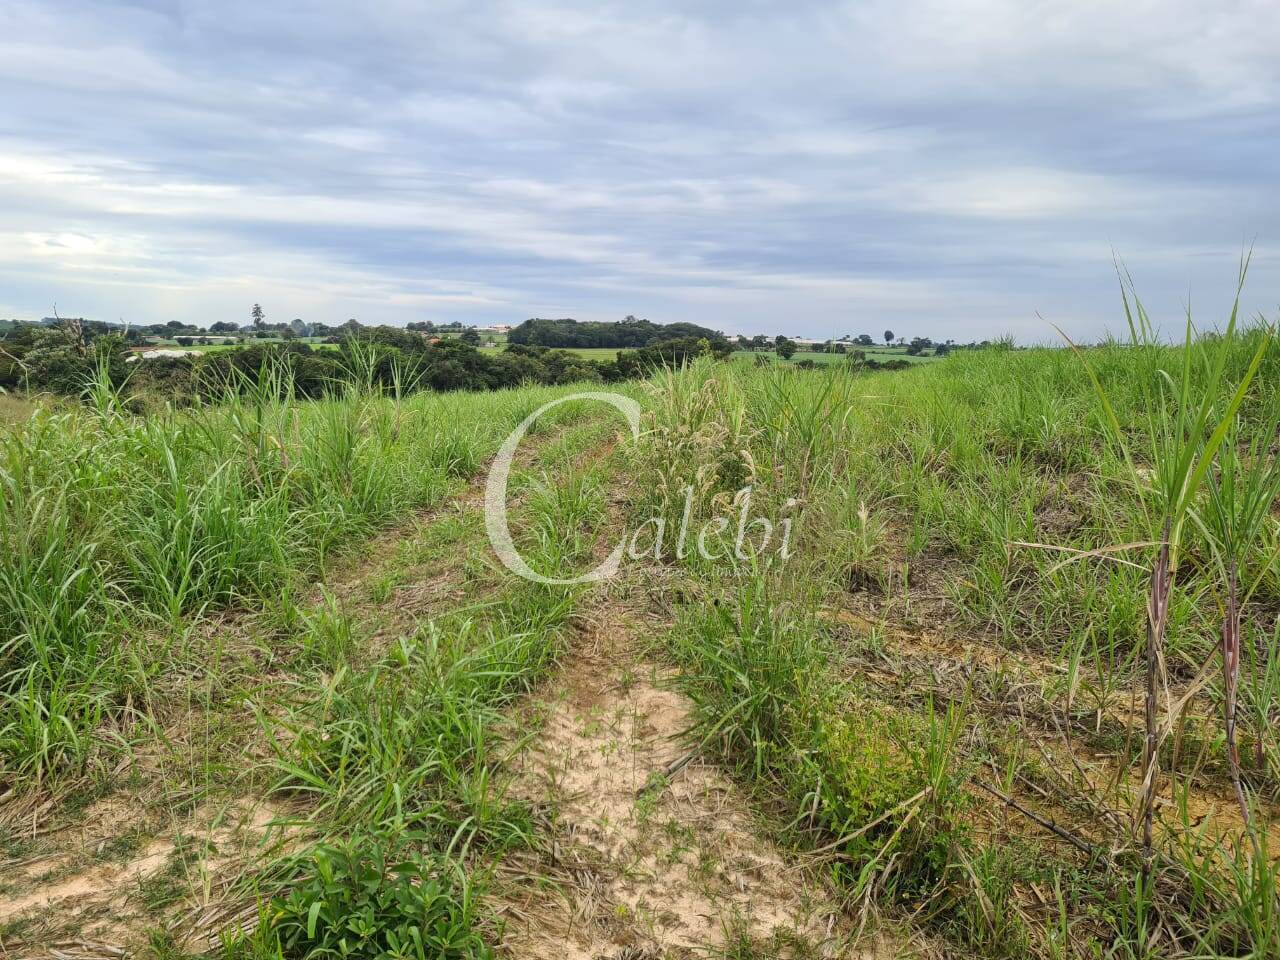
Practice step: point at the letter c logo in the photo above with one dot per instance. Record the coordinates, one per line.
(495, 493)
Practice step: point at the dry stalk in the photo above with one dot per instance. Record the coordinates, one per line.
(1157, 620)
(1231, 678)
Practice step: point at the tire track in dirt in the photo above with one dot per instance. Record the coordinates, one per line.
(68, 895)
(648, 868)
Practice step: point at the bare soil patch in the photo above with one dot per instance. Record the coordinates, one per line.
(646, 867)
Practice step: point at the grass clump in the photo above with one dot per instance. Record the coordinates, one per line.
(879, 788)
(408, 740)
(370, 897)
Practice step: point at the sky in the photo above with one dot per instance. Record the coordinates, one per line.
(959, 169)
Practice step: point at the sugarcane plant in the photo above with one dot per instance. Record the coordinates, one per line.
(1190, 404)
(1241, 490)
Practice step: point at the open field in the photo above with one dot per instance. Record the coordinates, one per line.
(265, 686)
(881, 354)
(595, 353)
(316, 343)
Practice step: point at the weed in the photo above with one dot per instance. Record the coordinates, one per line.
(371, 898)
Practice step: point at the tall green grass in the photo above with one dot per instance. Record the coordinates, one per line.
(1018, 498)
(118, 531)
(397, 765)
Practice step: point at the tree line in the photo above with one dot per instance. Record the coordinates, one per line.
(786, 348)
(631, 333)
(65, 358)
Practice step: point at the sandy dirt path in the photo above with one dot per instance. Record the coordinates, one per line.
(646, 866)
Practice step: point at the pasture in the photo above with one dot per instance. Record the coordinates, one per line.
(266, 691)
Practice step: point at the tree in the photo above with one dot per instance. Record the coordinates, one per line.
(257, 316)
(224, 326)
(669, 353)
(627, 334)
(888, 337)
(918, 346)
(470, 335)
(864, 340)
(786, 348)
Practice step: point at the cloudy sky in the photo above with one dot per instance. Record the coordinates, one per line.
(944, 168)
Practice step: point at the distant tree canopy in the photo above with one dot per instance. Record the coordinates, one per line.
(378, 356)
(664, 353)
(60, 358)
(918, 346)
(859, 360)
(65, 357)
(630, 333)
(758, 342)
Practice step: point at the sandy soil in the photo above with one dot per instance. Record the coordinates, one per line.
(648, 867)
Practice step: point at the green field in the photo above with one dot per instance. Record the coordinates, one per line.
(881, 354)
(595, 353)
(261, 662)
(172, 344)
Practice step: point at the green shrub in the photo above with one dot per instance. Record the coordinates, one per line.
(867, 772)
(371, 898)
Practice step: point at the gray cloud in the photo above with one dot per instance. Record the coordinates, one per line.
(942, 168)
